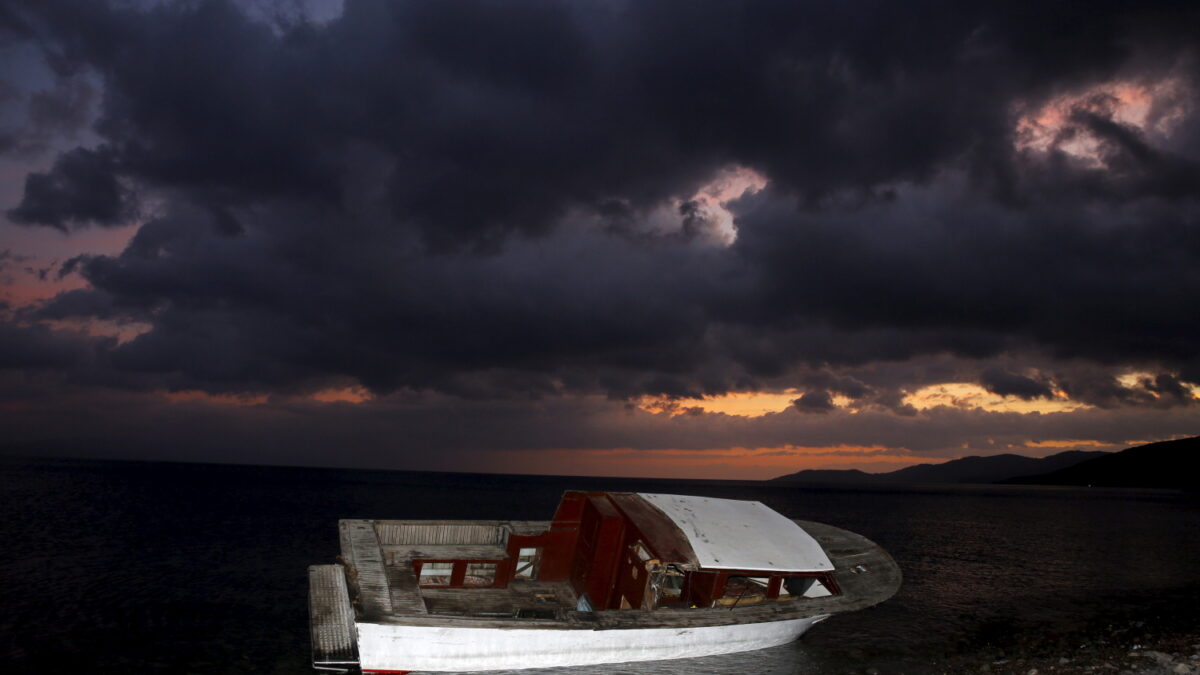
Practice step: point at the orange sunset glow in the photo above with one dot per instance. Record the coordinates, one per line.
(969, 395)
(354, 394)
(725, 463)
(738, 404)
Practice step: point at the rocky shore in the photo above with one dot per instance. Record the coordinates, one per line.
(1164, 655)
(1161, 645)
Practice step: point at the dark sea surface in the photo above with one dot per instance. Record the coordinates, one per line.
(113, 567)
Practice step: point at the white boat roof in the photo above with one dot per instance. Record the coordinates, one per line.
(741, 535)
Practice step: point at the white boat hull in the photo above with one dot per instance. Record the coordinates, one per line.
(385, 648)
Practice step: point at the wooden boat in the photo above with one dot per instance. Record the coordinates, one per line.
(615, 577)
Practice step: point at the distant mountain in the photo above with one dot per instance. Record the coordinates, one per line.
(1157, 465)
(831, 476)
(992, 469)
(974, 469)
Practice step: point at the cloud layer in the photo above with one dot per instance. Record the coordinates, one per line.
(530, 204)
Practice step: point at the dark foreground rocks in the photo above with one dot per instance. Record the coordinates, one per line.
(1151, 646)
(1182, 658)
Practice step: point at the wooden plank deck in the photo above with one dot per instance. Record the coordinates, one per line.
(538, 598)
(396, 553)
(360, 547)
(331, 617)
(407, 597)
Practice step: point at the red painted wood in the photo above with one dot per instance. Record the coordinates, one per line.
(705, 587)
(773, 587)
(570, 509)
(559, 543)
(831, 583)
(597, 550)
(558, 548)
(585, 549)
(658, 532)
(627, 584)
(610, 538)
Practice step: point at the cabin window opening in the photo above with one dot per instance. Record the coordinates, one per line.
(436, 573)
(528, 560)
(741, 591)
(817, 590)
(668, 584)
(480, 574)
(795, 587)
(584, 604)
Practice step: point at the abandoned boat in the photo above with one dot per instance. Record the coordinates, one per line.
(615, 577)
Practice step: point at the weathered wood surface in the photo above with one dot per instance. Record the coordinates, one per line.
(396, 554)
(879, 579)
(406, 593)
(660, 533)
(331, 618)
(500, 601)
(441, 533)
(360, 548)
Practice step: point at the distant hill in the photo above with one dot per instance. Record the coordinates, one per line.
(989, 469)
(830, 476)
(1157, 465)
(974, 469)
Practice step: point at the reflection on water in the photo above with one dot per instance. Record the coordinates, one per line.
(150, 568)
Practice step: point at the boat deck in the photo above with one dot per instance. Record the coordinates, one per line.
(522, 599)
(379, 557)
(380, 575)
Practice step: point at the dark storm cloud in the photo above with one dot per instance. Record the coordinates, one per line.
(455, 196)
(86, 303)
(38, 347)
(65, 109)
(847, 386)
(81, 188)
(563, 317)
(938, 269)
(1004, 383)
(816, 401)
(499, 117)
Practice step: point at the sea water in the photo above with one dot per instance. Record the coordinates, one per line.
(125, 567)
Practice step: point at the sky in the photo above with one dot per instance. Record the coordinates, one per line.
(636, 238)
